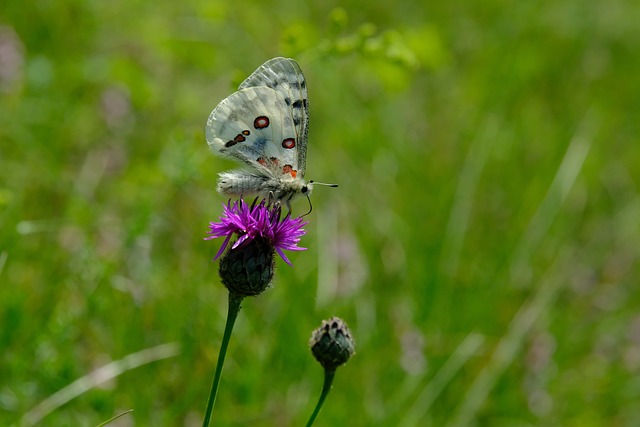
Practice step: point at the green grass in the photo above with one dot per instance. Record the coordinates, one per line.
(483, 245)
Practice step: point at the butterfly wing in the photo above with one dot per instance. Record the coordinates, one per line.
(254, 126)
(284, 76)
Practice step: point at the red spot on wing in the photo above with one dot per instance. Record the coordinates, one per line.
(289, 143)
(239, 138)
(261, 122)
(288, 169)
(246, 132)
(271, 162)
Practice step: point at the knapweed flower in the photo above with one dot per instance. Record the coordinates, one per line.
(248, 266)
(332, 344)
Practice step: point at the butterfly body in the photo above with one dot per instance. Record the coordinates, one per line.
(264, 126)
(235, 183)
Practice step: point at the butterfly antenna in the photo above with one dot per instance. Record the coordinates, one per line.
(323, 183)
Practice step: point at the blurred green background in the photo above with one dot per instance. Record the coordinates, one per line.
(483, 245)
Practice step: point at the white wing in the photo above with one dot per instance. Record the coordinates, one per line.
(285, 76)
(255, 127)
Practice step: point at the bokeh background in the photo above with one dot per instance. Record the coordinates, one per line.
(483, 244)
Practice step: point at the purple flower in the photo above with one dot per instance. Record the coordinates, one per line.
(257, 220)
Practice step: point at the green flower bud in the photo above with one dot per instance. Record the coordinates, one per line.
(332, 344)
(248, 269)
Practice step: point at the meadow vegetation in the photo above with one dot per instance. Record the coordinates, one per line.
(482, 246)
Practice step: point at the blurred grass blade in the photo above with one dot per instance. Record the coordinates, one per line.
(462, 206)
(97, 377)
(467, 348)
(509, 346)
(558, 191)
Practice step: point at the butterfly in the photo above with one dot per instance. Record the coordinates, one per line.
(264, 125)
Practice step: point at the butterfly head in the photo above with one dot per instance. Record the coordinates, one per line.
(306, 191)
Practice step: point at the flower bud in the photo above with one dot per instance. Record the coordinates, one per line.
(332, 344)
(248, 269)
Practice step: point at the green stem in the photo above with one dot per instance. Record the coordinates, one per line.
(328, 379)
(232, 314)
(114, 418)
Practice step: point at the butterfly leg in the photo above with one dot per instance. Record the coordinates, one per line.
(288, 203)
(271, 199)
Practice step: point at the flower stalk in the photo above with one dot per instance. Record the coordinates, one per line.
(232, 314)
(326, 387)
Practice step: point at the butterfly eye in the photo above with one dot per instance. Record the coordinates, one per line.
(304, 189)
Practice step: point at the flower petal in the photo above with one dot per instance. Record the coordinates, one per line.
(283, 256)
(223, 247)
